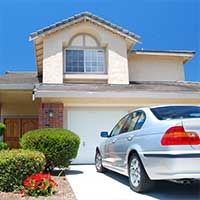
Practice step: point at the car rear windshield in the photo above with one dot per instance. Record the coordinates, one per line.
(176, 112)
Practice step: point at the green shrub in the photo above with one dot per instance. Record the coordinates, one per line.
(3, 146)
(18, 164)
(2, 128)
(59, 145)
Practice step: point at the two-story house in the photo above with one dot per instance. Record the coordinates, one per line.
(87, 77)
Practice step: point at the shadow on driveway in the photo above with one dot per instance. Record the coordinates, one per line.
(73, 172)
(164, 190)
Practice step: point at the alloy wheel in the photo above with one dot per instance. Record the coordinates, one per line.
(135, 172)
(98, 161)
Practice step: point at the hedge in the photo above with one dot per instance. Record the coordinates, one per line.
(18, 164)
(59, 145)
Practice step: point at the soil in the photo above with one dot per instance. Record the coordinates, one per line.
(64, 192)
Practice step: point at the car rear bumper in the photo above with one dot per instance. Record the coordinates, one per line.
(176, 165)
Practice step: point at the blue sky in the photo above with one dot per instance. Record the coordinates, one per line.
(162, 25)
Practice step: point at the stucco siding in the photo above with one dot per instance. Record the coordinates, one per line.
(130, 103)
(155, 68)
(115, 48)
(53, 61)
(15, 110)
(117, 62)
(18, 104)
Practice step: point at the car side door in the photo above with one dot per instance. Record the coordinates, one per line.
(110, 156)
(125, 138)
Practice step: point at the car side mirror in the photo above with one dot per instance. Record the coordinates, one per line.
(104, 134)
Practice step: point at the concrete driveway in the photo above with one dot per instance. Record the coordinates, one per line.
(87, 184)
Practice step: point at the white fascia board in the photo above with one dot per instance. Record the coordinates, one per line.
(138, 94)
(181, 54)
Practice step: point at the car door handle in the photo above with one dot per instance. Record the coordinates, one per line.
(129, 138)
(114, 140)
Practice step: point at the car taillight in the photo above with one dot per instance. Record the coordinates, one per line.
(177, 136)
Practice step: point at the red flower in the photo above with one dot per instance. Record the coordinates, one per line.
(53, 183)
(22, 192)
(43, 187)
(39, 184)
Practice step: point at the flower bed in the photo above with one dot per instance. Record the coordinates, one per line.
(64, 191)
(39, 184)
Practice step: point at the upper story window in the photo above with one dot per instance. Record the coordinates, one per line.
(84, 56)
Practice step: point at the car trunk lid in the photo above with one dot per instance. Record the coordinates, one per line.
(192, 125)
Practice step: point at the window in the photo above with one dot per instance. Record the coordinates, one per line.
(140, 121)
(74, 61)
(85, 60)
(130, 122)
(176, 112)
(84, 56)
(133, 120)
(118, 128)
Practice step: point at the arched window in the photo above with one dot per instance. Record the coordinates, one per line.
(84, 55)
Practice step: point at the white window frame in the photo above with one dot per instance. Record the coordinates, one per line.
(85, 72)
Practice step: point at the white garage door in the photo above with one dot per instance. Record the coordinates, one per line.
(88, 123)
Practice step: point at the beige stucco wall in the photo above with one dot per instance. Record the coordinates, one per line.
(121, 102)
(18, 104)
(155, 68)
(13, 110)
(53, 60)
(115, 48)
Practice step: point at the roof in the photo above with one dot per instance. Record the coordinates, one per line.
(18, 80)
(84, 16)
(29, 81)
(185, 54)
(135, 89)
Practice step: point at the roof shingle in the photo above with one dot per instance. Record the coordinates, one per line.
(19, 78)
(151, 86)
(80, 16)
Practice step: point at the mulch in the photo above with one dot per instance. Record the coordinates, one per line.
(64, 192)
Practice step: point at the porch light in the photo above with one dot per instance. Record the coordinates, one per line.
(50, 114)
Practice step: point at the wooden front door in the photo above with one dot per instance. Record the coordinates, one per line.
(12, 133)
(15, 128)
(28, 125)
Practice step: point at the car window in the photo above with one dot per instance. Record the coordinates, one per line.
(176, 112)
(140, 121)
(117, 129)
(133, 120)
(126, 124)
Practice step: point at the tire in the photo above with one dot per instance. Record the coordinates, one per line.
(98, 162)
(138, 178)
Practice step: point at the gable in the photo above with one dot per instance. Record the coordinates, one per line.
(114, 47)
(64, 36)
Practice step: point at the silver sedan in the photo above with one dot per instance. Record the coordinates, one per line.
(153, 143)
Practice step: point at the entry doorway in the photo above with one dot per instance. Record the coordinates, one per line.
(15, 128)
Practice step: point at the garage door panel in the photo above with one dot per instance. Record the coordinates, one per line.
(88, 123)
